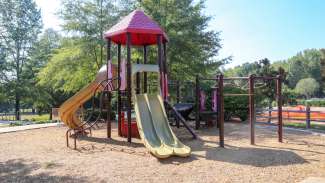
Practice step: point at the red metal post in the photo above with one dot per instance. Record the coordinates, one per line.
(251, 109)
(129, 90)
(221, 111)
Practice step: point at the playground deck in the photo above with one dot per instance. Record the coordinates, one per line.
(40, 155)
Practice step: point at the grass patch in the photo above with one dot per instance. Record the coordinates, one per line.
(42, 117)
(43, 122)
(17, 123)
(303, 125)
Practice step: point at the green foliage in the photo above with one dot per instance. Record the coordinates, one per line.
(19, 28)
(289, 95)
(192, 48)
(303, 125)
(307, 87)
(81, 54)
(315, 102)
(306, 64)
(235, 106)
(42, 117)
(265, 89)
(69, 69)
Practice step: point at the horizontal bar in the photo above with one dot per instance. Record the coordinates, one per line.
(230, 94)
(266, 117)
(297, 111)
(235, 78)
(265, 77)
(209, 79)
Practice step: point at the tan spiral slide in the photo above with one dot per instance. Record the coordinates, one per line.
(68, 110)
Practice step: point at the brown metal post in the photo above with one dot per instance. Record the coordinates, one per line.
(279, 97)
(129, 94)
(177, 91)
(164, 62)
(218, 101)
(165, 58)
(119, 102)
(137, 80)
(251, 109)
(307, 116)
(197, 102)
(159, 53)
(67, 137)
(108, 125)
(221, 112)
(145, 79)
(177, 99)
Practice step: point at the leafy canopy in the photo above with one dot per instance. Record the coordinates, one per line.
(307, 87)
(193, 49)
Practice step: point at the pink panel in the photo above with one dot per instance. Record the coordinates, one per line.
(123, 75)
(202, 100)
(214, 100)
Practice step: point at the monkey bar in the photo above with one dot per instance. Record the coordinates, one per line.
(219, 83)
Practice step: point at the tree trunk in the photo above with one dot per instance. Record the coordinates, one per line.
(17, 106)
(51, 114)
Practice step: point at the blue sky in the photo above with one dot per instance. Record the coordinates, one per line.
(251, 29)
(275, 29)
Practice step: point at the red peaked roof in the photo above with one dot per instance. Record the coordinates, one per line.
(143, 30)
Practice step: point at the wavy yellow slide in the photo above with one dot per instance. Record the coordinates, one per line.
(68, 110)
(154, 128)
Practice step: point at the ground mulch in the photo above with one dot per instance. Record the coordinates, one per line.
(41, 155)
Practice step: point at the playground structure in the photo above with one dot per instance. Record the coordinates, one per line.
(136, 29)
(124, 79)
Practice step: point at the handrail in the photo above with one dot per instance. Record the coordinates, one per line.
(180, 117)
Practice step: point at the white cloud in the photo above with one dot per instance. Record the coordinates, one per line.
(48, 9)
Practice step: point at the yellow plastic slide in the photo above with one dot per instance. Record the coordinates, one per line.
(154, 128)
(68, 110)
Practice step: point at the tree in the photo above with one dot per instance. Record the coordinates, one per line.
(20, 23)
(266, 89)
(322, 64)
(306, 64)
(192, 48)
(307, 87)
(83, 51)
(42, 96)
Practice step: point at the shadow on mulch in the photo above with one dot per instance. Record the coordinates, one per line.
(18, 170)
(258, 157)
(111, 141)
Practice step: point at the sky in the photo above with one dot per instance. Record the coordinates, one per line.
(251, 29)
